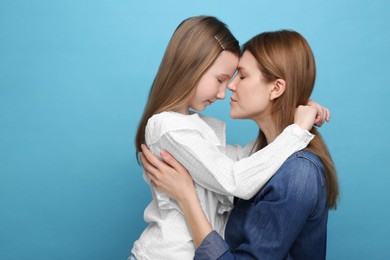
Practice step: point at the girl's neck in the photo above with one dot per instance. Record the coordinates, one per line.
(182, 110)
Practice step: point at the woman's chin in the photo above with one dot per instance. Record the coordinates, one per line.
(233, 114)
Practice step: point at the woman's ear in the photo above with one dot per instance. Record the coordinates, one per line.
(278, 88)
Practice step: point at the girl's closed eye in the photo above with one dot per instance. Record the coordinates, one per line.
(222, 79)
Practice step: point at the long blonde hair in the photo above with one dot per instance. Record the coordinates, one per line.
(287, 55)
(193, 48)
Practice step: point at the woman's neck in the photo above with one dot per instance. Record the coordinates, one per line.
(268, 127)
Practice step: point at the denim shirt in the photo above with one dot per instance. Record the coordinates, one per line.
(287, 219)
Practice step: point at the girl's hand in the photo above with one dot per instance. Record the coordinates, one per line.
(167, 176)
(323, 114)
(312, 114)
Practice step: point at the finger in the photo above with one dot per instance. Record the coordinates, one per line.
(145, 163)
(150, 157)
(153, 180)
(318, 118)
(153, 183)
(149, 168)
(322, 119)
(328, 115)
(170, 160)
(318, 123)
(323, 115)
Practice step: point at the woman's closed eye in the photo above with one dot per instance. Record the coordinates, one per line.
(241, 76)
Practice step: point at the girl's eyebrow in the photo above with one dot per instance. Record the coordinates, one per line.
(225, 76)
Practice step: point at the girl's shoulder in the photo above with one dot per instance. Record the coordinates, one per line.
(174, 120)
(165, 122)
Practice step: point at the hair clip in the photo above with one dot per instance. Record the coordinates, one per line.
(219, 41)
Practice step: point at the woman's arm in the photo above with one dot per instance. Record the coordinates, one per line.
(283, 204)
(178, 184)
(291, 206)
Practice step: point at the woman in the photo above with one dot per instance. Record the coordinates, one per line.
(287, 219)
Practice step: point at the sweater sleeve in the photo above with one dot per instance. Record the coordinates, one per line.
(237, 152)
(215, 171)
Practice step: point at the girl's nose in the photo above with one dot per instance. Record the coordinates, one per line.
(221, 93)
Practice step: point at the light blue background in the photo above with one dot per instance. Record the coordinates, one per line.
(74, 78)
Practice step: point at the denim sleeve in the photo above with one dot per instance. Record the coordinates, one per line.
(274, 217)
(212, 247)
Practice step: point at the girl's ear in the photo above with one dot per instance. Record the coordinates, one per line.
(278, 88)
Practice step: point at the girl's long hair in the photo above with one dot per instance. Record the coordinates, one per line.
(287, 55)
(193, 48)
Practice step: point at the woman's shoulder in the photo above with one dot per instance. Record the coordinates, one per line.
(303, 165)
(305, 157)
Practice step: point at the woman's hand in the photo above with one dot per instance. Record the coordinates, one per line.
(311, 114)
(167, 176)
(173, 179)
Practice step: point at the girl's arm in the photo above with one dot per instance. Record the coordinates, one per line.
(215, 171)
(237, 152)
(209, 165)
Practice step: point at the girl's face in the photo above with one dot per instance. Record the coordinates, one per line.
(212, 85)
(250, 97)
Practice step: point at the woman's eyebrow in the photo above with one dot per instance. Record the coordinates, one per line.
(241, 69)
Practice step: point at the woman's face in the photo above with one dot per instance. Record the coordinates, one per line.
(251, 92)
(212, 85)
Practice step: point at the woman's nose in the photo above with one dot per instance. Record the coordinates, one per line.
(232, 85)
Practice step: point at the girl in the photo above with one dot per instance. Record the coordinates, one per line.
(200, 59)
(287, 219)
